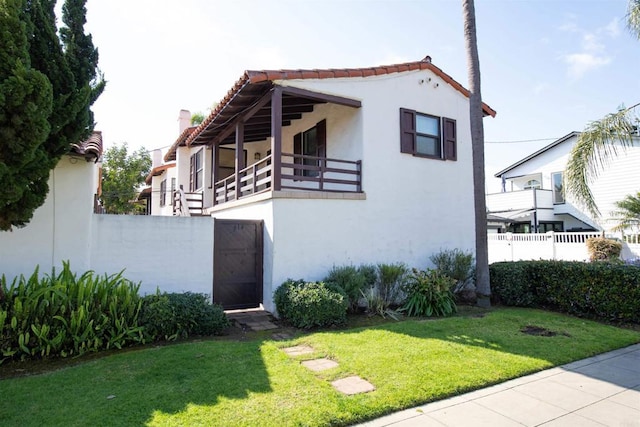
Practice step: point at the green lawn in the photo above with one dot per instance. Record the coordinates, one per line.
(253, 383)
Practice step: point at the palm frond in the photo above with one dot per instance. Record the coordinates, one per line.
(628, 213)
(633, 17)
(595, 148)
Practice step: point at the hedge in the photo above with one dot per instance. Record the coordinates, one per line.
(600, 290)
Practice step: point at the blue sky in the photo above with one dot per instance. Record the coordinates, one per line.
(548, 66)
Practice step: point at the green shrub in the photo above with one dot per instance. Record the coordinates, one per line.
(307, 305)
(169, 316)
(456, 264)
(352, 280)
(602, 249)
(429, 294)
(602, 290)
(63, 314)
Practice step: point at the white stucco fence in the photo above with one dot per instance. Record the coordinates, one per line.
(174, 254)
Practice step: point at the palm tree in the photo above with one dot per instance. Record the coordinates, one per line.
(483, 286)
(597, 144)
(628, 213)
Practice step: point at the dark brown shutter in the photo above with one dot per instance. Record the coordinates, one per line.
(321, 138)
(407, 131)
(192, 172)
(449, 138)
(297, 150)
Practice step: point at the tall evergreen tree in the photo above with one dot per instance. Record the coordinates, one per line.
(69, 65)
(25, 106)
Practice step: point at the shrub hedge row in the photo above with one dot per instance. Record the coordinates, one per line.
(601, 290)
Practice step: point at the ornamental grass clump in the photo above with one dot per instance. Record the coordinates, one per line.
(67, 315)
(428, 293)
(603, 249)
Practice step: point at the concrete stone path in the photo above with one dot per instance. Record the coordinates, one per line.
(599, 391)
(254, 319)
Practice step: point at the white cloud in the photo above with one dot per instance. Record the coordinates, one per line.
(612, 28)
(580, 63)
(591, 54)
(540, 88)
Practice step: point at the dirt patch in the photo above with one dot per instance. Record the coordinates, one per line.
(540, 331)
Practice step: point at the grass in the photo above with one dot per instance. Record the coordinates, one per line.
(252, 382)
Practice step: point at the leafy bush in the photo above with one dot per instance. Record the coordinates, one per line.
(352, 280)
(64, 315)
(456, 264)
(602, 249)
(602, 290)
(169, 316)
(306, 305)
(429, 294)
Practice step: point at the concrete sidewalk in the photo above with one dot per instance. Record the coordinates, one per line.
(599, 391)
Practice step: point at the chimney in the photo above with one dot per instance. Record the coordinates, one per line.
(184, 120)
(156, 158)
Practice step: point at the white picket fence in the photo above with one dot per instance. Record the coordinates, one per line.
(553, 246)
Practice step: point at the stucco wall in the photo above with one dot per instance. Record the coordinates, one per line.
(172, 253)
(69, 206)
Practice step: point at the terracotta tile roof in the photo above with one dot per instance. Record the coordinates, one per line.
(157, 171)
(91, 149)
(254, 77)
(171, 154)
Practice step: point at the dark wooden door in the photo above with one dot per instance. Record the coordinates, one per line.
(237, 263)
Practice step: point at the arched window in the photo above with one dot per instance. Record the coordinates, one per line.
(532, 183)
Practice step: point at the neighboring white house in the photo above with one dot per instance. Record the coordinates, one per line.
(61, 228)
(533, 198)
(303, 170)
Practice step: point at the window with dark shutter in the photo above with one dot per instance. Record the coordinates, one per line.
(429, 136)
(196, 172)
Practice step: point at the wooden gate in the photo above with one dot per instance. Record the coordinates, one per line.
(237, 263)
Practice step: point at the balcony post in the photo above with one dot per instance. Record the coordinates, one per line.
(276, 137)
(239, 157)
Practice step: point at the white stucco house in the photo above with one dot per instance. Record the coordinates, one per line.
(302, 170)
(61, 228)
(533, 198)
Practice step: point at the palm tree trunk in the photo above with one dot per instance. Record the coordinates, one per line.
(483, 287)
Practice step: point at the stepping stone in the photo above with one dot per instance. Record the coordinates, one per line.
(353, 385)
(282, 336)
(298, 350)
(318, 365)
(260, 326)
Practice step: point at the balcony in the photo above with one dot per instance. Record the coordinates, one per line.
(296, 173)
(519, 200)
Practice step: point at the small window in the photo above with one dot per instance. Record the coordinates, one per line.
(163, 192)
(557, 180)
(532, 183)
(546, 226)
(425, 135)
(197, 172)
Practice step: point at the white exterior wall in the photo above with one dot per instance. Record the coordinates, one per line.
(138, 244)
(60, 229)
(167, 209)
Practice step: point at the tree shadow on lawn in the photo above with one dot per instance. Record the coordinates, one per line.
(129, 388)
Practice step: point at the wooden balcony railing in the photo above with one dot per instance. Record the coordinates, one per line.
(187, 204)
(297, 172)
